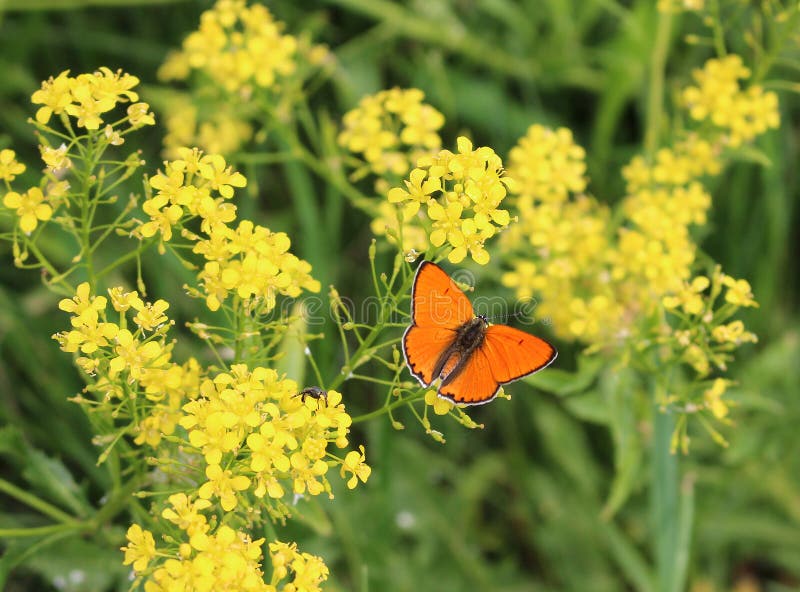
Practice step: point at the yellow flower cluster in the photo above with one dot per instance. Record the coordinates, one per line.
(656, 251)
(276, 439)
(567, 236)
(218, 130)
(461, 194)
(741, 114)
(704, 337)
(226, 559)
(245, 432)
(238, 47)
(248, 260)
(690, 159)
(609, 279)
(391, 130)
(87, 97)
(547, 165)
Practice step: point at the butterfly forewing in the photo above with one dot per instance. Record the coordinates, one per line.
(514, 353)
(437, 301)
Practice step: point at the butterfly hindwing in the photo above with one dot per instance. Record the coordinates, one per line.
(473, 384)
(436, 301)
(423, 347)
(513, 353)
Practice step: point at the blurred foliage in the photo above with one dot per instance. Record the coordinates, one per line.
(526, 503)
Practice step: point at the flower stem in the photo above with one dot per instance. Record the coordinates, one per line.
(36, 503)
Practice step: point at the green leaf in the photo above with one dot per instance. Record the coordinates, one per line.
(752, 154)
(51, 478)
(618, 392)
(78, 565)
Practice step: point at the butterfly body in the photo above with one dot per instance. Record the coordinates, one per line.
(468, 338)
(446, 341)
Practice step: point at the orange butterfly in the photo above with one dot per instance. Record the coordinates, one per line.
(447, 341)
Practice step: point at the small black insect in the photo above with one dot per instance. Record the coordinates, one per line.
(314, 392)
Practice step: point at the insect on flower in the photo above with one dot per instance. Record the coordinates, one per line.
(314, 392)
(447, 341)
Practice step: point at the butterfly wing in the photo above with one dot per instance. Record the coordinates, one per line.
(436, 301)
(506, 354)
(423, 347)
(513, 353)
(438, 309)
(473, 384)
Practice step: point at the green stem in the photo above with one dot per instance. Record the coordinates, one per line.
(655, 95)
(37, 531)
(36, 503)
(56, 277)
(789, 29)
(716, 26)
(371, 336)
(390, 407)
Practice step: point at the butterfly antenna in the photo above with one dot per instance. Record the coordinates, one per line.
(504, 318)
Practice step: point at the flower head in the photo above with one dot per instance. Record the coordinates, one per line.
(31, 207)
(9, 167)
(141, 548)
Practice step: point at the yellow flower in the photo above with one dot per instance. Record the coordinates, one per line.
(224, 485)
(733, 332)
(86, 107)
(185, 513)
(122, 301)
(713, 398)
(141, 548)
(55, 95)
(89, 334)
(9, 167)
(690, 297)
(306, 571)
(56, 159)
(134, 356)
(418, 191)
(306, 474)
(441, 406)
(154, 427)
(30, 207)
(83, 301)
(738, 292)
(151, 315)
(139, 115)
(355, 463)
(221, 177)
